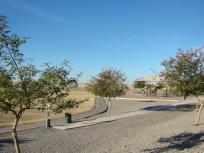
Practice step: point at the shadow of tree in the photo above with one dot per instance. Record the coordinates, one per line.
(184, 108)
(9, 141)
(178, 142)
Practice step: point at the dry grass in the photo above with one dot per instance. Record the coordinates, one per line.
(31, 116)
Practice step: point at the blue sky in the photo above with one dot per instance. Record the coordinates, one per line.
(134, 36)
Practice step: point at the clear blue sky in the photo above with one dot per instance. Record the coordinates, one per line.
(131, 35)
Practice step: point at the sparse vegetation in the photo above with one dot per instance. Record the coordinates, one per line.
(186, 73)
(109, 83)
(24, 87)
(33, 116)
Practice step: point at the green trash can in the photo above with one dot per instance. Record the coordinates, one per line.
(68, 118)
(48, 123)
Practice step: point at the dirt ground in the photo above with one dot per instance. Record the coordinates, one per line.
(32, 116)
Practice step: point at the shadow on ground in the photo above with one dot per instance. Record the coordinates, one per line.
(184, 108)
(9, 141)
(178, 142)
(148, 101)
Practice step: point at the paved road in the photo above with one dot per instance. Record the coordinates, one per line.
(182, 104)
(155, 132)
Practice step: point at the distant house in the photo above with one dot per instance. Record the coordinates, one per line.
(150, 79)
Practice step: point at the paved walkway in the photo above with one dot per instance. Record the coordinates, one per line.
(100, 107)
(124, 115)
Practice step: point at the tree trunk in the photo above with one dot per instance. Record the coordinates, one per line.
(199, 112)
(197, 104)
(166, 93)
(14, 135)
(109, 107)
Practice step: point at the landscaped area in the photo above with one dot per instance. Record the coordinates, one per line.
(33, 116)
(109, 76)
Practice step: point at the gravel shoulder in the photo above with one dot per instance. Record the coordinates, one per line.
(155, 132)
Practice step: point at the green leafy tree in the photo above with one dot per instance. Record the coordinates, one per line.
(109, 83)
(186, 73)
(24, 87)
(139, 84)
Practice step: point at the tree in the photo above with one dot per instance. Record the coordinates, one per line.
(186, 73)
(109, 83)
(24, 87)
(139, 84)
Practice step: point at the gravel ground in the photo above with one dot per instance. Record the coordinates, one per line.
(155, 132)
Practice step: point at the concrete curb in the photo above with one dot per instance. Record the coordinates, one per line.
(145, 99)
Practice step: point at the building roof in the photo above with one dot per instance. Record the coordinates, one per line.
(150, 79)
